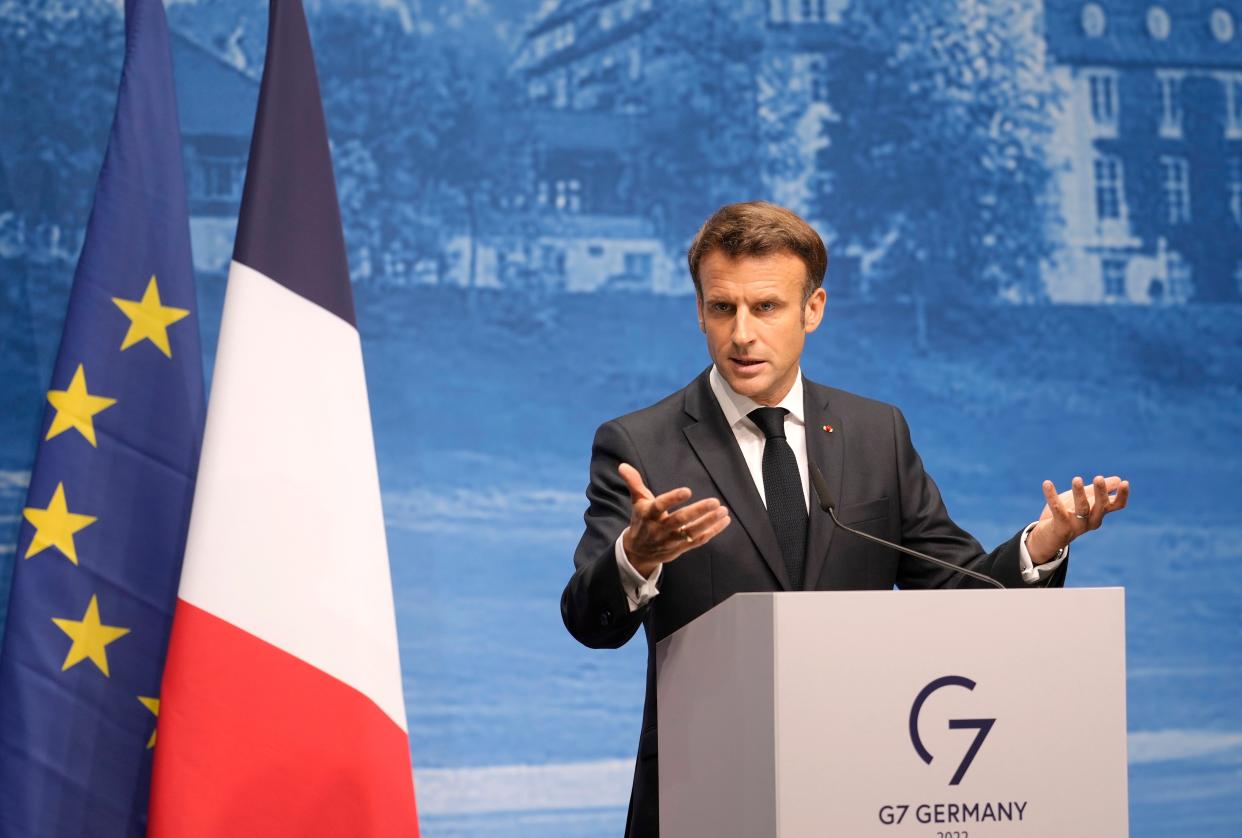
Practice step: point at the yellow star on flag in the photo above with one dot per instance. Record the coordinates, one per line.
(152, 704)
(76, 408)
(90, 637)
(55, 526)
(149, 319)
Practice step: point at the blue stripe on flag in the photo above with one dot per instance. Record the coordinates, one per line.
(290, 223)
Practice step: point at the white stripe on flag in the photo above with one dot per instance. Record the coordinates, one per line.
(287, 535)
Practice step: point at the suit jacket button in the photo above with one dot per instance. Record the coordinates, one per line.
(605, 617)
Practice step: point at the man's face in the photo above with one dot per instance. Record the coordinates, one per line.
(752, 312)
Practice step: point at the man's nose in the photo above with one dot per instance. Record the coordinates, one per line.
(742, 328)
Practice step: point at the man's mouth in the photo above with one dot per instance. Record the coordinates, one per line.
(746, 363)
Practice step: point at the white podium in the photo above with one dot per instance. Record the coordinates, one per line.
(943, 714)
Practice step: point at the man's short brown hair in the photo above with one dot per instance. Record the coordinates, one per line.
(757, 228)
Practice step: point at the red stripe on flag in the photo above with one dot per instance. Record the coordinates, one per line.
(254, 741)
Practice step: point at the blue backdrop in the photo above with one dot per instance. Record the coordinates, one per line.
(1034, 218)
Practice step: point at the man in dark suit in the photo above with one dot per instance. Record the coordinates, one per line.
(740, 438)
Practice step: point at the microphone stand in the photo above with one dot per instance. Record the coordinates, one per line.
(826, 504)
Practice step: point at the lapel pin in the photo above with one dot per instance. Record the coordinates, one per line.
(828, 429)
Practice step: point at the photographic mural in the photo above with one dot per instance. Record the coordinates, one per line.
(1034, 219)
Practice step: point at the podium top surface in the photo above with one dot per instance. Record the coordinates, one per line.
(983, 603)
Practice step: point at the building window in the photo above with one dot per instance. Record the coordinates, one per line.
(638, 264)
(606, 17)
(1093, 20)
(1181, 278)
(635, 63)
(562, 194)
(817, 78)
(582, 75)
(1170, 104)
(560, 91)
(1176, 185)
(552, 259)
(1114, 273)
(1234, 184)
(1103, 88)
(216, 178)
(1222, 25)
(1158, 24)
(813, 11)
(567, 195)
(1232, 82)
(1108, 188)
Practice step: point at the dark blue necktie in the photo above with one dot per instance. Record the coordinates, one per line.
(782, 488)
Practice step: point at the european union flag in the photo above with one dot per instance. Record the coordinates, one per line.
(99, 554)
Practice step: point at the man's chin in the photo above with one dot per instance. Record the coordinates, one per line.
(751, 386)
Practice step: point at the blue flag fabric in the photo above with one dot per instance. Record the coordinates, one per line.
(98, 557)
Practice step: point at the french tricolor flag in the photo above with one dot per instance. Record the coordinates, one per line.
(281, 709)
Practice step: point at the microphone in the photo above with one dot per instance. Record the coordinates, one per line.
(826, 504)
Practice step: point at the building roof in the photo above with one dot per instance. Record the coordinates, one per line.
(559, 12)
(1172, 33)
(589, 36)
(213, 97)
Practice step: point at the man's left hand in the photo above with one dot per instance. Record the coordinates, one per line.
(1070, 514)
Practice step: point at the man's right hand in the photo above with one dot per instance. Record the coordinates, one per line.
(657, 535)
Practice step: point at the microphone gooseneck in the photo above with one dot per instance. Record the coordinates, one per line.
(826, 504)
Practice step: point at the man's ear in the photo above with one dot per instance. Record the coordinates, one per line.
(698, 303)
(813, 311)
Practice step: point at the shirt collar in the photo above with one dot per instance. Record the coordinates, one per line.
(736, 406)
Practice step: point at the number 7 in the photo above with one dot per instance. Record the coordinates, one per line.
(984, 727)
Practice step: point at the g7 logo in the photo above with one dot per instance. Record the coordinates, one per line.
(984, 726)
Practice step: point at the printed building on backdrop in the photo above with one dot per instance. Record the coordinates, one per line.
(1150, 133)
(584, 66)
(217, 112)
(575, 62)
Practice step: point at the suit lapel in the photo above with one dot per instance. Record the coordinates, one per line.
(713, 441)
(827, 450)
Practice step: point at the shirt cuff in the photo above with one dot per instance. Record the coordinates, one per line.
(1031, 573)
(638, 589)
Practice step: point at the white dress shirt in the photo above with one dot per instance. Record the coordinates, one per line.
(751, 440)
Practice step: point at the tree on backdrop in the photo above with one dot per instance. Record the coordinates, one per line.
(425, 138)
(57, 121)
(936, 162)
(699, 130)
